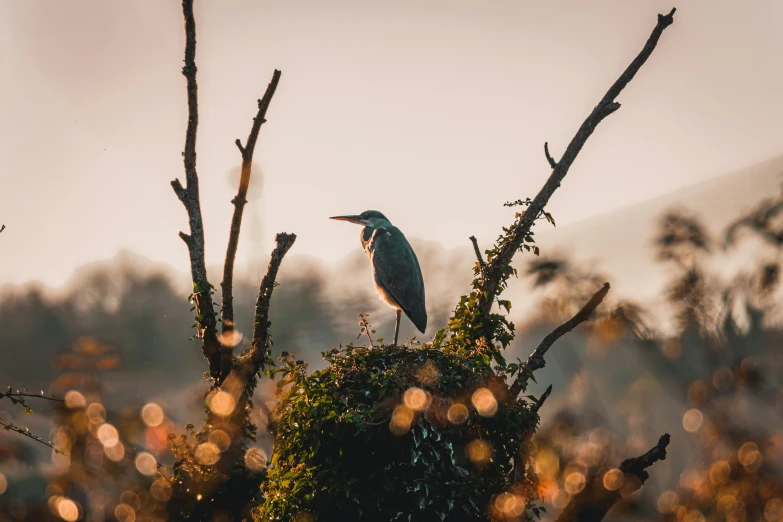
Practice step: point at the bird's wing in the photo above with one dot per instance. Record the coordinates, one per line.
(397, 270)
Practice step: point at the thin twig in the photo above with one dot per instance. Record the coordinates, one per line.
(239, 201)
(26, 432)
(540, 402)
(605, 107)
(30, 395)
(518, 472)
(536, 360)
(477, 251)
(189, 196)
(549, 158)
(595, 500)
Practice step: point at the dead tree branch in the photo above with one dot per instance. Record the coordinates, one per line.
(518, 472)
(537, 405)
(239, 201)
(536, 360)
(549, 158)
(189, 196)
(477, 251)
(253, 361)
(607, 105)
(595, 500)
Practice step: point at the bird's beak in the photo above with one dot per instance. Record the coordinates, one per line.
(352, 219)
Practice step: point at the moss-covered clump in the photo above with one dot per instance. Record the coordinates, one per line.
(395, 433)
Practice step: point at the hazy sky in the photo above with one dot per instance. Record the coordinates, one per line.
(434, 112)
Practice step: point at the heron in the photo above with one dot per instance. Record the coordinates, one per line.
(395, 268)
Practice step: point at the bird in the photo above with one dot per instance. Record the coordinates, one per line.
(395, 268)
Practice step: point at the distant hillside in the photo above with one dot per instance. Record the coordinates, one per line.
(620, 241)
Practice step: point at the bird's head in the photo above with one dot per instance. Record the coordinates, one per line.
(368, 218)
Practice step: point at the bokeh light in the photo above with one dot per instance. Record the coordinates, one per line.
(722, 378)
(773, 510)
(160, 490)
(749, 455)
(74, 399)
(401, 420)
(575, 482)
(692, 420)
(614, 479)
(96, 413)
(667, 502)
(255, 459)
(207, 454)
(230, 338)
(689, 479)
(131, 498)
(509, 504)
(720, 472)
(547, 464)
(458, 413)
(416, 399)
(561, 498)
(478, 452)
(152, 415)
(124, 513)
(484, 402)
(115, 453)
(220, 439)
(146, 464)
(221, 403)
(67, 509)
(108, 435)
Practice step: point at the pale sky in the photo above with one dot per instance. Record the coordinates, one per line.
(433, 112)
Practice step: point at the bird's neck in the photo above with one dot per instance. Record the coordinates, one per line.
(366, 236)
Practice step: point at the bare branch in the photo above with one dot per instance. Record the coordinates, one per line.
(537, 405)
(18, 395)
(189, 196)
(605, 107)
(227, 285)
(180, 191)
(595, 500)
(536, 360)
(252, 362)
(518, 472)
(477, 251)
(549, 158)
(9, 426)
(2, 228)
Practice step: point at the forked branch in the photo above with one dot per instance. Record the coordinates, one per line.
(239, 201)
(536, 360)
(189, 196)
(607, 105)
(254, 360)
(599, 495)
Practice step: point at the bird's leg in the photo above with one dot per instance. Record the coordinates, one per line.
(397, 328)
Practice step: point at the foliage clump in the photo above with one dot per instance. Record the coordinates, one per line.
(395, 433)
